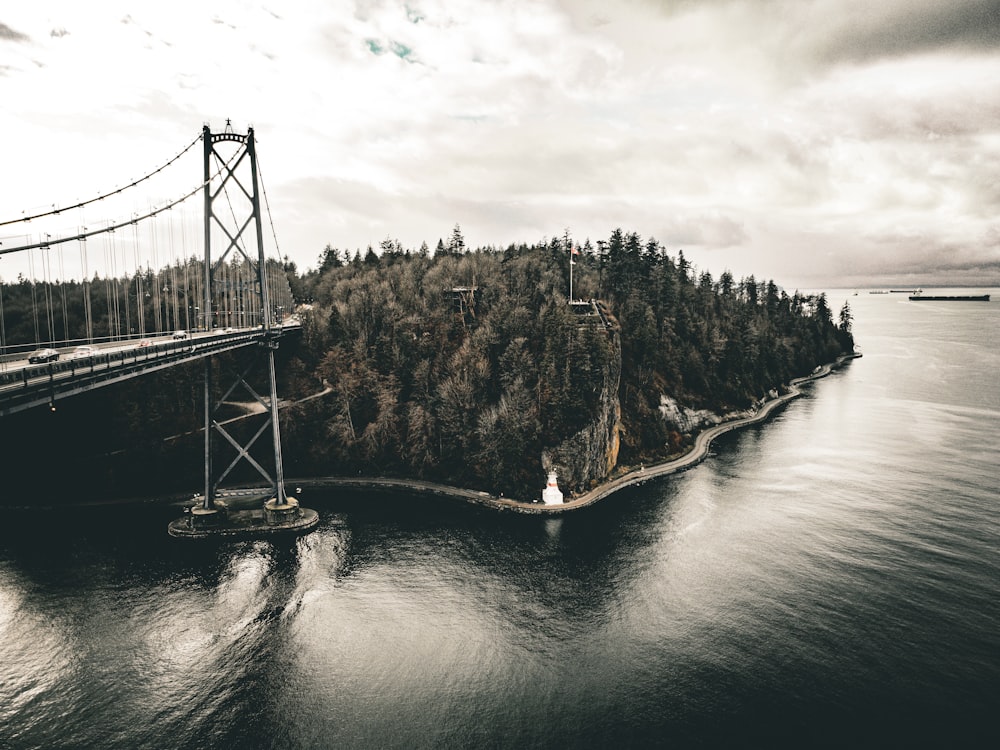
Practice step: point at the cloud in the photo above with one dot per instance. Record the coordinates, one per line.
(863, 30)
(847, 30)
(707, 230)
(779, 136)
(12, 35)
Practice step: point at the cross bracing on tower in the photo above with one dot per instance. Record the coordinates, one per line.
(147, 286)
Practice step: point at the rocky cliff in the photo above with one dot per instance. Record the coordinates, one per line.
(588, 457)
(689, 421)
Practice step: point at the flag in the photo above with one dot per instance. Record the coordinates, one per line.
(576, 250)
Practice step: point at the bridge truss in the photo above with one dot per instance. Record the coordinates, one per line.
(233, 225)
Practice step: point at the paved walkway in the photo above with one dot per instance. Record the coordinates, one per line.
(638, 476)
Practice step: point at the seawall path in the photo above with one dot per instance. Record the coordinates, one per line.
(637, 476)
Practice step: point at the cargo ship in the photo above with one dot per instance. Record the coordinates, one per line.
(950, 297)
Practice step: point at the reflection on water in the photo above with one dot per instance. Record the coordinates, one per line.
(833, 570)
(552, 528)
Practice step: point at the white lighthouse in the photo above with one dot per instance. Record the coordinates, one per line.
(551, 495)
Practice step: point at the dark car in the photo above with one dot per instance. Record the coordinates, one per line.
(43, 355)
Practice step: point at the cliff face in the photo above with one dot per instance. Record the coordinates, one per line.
(689, 421)
(684, 420)
(589, 456)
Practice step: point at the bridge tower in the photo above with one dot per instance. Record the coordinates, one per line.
(232, 212)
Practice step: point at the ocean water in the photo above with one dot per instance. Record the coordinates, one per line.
(829, 578)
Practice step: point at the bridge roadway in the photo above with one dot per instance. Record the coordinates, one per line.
(24, 385)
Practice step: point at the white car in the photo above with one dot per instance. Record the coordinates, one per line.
(180, 335)
(83, 352)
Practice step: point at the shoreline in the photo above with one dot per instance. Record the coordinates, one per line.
(696, 455)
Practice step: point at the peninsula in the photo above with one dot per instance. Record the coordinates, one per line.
(486, 368)
(491, 368)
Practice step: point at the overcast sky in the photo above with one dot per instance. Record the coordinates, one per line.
(816, 142)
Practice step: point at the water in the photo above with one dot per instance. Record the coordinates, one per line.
(828, 578)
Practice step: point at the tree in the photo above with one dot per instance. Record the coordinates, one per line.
(329, 259)
(844, 335)
(456, 245)
(845, 318)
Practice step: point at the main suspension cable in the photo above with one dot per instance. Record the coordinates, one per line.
(57, 211)
(111, 228)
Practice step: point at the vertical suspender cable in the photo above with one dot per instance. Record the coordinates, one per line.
(3, 331)
(34, 300)
(187, 293)
(172, 294)
(125, 291)
(157, 313)
(62, 294)
(46, 275)
(140, 297)
(107, 287)
(87, 312)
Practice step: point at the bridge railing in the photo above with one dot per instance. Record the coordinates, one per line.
(34, 384)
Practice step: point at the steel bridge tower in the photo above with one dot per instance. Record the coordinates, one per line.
(232, 211)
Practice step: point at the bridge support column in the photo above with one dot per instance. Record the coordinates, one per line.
(220, 513)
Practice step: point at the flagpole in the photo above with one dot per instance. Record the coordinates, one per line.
(571, 274)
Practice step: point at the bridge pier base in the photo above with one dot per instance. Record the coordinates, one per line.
(278, 513)
(205, 518)
(241, 521)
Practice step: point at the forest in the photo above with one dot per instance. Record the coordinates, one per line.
(465, 366)
(470, 388)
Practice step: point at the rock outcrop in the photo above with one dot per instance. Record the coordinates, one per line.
(588, 457)
(684, 420)
(689, 421)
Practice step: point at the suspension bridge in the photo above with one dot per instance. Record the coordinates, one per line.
(140, 290)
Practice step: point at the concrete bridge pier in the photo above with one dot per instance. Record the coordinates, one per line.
(278, 513)
(205, 518)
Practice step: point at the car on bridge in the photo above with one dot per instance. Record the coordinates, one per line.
(83, 352)
(43, 355)
(144, 344)
(180, 335)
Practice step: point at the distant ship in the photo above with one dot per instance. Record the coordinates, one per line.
(950, 297)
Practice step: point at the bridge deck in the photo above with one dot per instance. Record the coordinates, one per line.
(23, 386)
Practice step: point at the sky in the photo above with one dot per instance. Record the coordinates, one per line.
(814, 142)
